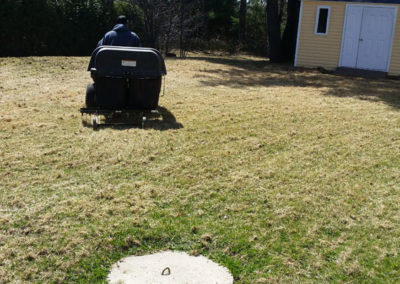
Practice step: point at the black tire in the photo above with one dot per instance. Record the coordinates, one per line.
(95, 123)
(90, 99)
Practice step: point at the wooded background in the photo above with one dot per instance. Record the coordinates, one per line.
(73, 27)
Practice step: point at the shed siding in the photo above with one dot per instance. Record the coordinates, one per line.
(320, 50)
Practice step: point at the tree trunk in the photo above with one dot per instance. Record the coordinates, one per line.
(274, 31)
(290, 33)
(181, 30)
(205, 11)
(242, 21)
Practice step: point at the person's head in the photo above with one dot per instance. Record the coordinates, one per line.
(122, 20)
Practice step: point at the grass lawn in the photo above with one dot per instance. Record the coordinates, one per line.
(281, 175)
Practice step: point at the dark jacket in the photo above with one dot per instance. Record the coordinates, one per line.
(120, 36)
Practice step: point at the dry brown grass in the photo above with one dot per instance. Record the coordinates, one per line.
(282, 175)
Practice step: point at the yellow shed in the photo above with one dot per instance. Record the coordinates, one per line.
(349, 34)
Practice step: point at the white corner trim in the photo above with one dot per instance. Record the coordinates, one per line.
(327, 20)
(389, 63)
(298, 33)
(343, 35)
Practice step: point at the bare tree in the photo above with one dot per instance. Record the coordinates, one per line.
(170, 23)
(169, 28)
(151, 10)
(190, 22)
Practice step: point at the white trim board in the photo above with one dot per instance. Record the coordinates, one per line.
(298, 33)
(317, 20)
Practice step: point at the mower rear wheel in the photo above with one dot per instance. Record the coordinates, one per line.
(90, 99)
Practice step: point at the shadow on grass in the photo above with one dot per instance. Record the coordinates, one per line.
(162, 120)
(167, 122)
(245, 72)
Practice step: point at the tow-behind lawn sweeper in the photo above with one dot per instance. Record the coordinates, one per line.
(127, 83)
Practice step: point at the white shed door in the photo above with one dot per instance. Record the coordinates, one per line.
(367, 38)
(351, 37)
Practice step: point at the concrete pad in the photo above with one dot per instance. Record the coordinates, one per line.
(167, 268)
